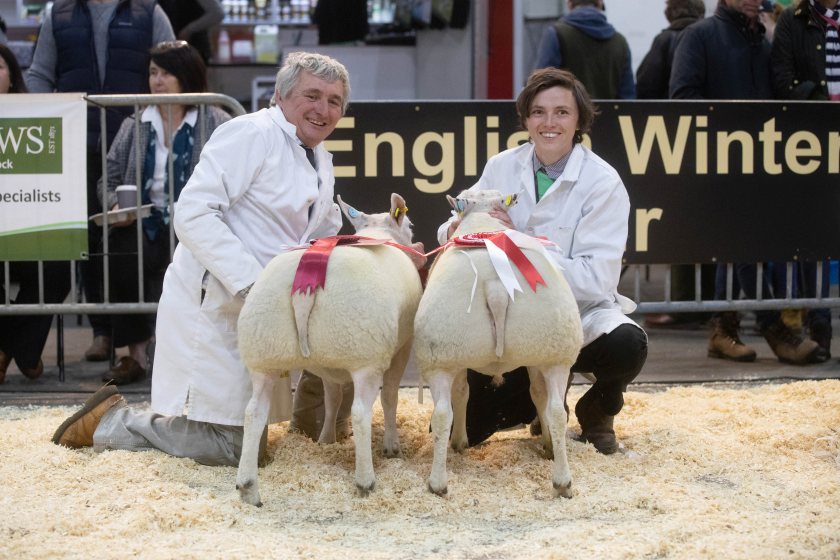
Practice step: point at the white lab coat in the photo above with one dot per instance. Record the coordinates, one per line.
(247, 201)
(585, 213)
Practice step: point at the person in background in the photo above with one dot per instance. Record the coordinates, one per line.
(654, 72)
(577, 201)
(652, 78)
(22, 337)
(768, 15)
(583, 42)
(11, 76)
(97, 46)
(192, 19)
(806, 65)
(726, 56)
(165, 131)
(264, 184)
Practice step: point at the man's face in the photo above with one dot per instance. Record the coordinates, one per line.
(314, 106)
(747, 7)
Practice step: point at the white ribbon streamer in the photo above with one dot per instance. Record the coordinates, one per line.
(504, 270)
(475, 279)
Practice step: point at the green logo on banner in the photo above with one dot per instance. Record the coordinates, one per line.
(30, 146)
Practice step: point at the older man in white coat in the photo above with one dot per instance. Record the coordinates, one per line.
(264, 184)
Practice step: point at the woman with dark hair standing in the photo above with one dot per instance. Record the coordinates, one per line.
(22, 337)
(166, 131)
(11, 76)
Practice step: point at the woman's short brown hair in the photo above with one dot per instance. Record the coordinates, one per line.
(547, 78)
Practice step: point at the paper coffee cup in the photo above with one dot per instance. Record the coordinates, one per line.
(127, 196)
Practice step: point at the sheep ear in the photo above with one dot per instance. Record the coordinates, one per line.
(452, 201)
(352, 214)
(398, 208)
(459, 204)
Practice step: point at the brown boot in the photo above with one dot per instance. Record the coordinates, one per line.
(5, 361)
(35, 372)
(99, 350)
(596, 427)
(77, 431)
(725, 342)
(126, 370)
(791, 348)
(820, 332)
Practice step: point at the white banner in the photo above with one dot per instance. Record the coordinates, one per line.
(43, 170)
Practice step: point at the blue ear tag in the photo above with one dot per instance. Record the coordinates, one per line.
(460, 205)
(352, 212)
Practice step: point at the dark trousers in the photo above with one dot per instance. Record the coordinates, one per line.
(23, 337)
(132, 328)
(91, 271)
(615, 359)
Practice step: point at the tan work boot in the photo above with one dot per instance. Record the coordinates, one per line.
(308, 408)
(725, 342)
(77, 431)
(791, 348)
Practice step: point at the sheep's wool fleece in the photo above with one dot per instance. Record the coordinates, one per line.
(714, 471)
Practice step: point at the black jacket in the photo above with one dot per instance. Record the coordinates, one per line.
(654, 72)
(721, 57)
(798, 55)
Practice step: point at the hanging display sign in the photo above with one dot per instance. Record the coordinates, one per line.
(43, 204)
(709, 181)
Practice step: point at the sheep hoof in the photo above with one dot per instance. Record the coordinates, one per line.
(392, 453)
(442, 492)
(458, 444)
(563, 490)
(249, 494)
(365, 490)
(549, 452)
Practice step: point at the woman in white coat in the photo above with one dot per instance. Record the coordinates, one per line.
(264, 183)
(577, 200)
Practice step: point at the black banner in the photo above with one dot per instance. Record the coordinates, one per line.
(711, 181)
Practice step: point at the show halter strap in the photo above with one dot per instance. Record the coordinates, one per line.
(311, 272)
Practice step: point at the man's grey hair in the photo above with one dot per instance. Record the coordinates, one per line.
(319, 65)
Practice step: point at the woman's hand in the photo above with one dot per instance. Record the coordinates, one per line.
(124, 221)
(503, 217)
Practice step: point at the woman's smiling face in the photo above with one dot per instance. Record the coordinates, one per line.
(552, 122)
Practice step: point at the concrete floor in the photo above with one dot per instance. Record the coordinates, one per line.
(676, 357)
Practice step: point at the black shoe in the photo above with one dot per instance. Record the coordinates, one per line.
(596, 427)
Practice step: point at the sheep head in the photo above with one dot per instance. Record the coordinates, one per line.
(481, 201)
(474, 207)
(393, 225)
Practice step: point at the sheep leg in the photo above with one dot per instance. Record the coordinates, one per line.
(440, 384)
(539, 397)
(556, 379)
(332, 402)
(460, 396)
(256, 417)
(365, 386)
(389, 398)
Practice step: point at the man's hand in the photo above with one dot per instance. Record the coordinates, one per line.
(452, 227)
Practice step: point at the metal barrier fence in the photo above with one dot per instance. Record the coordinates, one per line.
(646, 303)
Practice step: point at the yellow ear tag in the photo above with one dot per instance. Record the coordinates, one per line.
(508, 200)
(397, 211)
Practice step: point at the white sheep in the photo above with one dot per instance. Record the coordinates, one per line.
(357, 328)
(466, 319)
